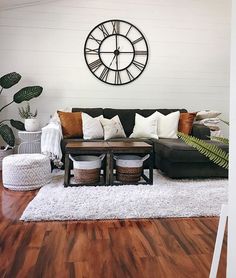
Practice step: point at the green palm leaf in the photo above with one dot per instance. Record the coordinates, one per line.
(221, 139)
(226, 122)
(213, 152)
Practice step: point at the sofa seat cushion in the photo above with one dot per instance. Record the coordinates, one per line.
(175, 150)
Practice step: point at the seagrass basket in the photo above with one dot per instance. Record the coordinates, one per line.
(87, 169)
(129, 168)
(87, 176)
(128, 174)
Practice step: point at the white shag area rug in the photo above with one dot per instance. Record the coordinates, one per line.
(165, 198)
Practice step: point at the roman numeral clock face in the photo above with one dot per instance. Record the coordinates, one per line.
(116, 52)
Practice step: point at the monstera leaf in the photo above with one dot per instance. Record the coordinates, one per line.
(7, 135)
(27, 93)
(17, 124)
(9, 80)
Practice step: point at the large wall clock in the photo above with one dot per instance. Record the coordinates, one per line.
(116, 52)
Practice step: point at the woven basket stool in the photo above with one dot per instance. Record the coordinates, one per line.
(25, 171)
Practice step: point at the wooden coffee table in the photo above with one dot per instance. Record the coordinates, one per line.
(109, 148)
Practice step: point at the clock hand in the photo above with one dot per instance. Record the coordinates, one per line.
(116, 42)
(116, 62)
(112, 60)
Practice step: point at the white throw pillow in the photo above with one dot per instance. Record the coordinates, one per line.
(112, 128)
(205, 114)
(92, 128)
(167, 126)
(145, 127)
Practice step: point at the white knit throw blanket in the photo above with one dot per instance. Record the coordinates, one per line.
(210, 121)
(51, 142)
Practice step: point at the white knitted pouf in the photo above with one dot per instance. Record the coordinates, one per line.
(25, 171)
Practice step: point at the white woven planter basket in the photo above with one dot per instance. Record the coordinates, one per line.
(25, 171)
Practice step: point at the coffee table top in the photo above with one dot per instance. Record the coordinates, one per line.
(71, 146)
(116, 146)
(122, 145)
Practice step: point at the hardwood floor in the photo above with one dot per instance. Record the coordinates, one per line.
(127, 248)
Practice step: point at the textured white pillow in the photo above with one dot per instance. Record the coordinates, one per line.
(167, 126)
(145, 127)
(112, 128)
(92, 128)
(205, 114)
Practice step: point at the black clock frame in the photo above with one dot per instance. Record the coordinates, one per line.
(99, 53)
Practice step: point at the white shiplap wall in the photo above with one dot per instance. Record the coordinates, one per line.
(188, 41)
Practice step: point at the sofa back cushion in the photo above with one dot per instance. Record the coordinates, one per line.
(93, 112)
(127, 116)
(148, 112)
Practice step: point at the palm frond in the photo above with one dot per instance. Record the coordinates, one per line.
(213, 152)
(223, 121)
(220, 139)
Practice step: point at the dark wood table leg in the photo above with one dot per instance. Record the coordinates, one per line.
(111, 169)
(105, 170)
(108, 161)
(67, 170)
(151, 168)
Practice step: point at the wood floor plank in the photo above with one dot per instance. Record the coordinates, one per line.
(152, 248)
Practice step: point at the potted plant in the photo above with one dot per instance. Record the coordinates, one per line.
(25, 94)
(31, 123)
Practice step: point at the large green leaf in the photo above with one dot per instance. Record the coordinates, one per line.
(27, 93)
(220, 139)
(17, 124)
(213, 152)
(7, 135)
(9, 80)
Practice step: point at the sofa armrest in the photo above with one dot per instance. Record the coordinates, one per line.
(201, 131)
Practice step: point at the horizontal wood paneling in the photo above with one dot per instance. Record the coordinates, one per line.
(188, 41)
